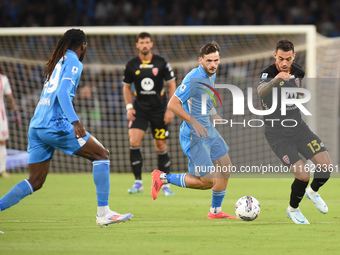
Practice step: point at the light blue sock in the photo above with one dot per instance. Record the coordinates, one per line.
(217, 198)
(18, 192)
(177, 179)
(101, 178)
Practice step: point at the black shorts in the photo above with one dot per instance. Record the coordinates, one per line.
(158, 128)
(287, 143)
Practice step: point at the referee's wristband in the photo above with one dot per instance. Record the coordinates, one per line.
(129, 106)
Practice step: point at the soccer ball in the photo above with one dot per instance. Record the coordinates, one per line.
(247, 208)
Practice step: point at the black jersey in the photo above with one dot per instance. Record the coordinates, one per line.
(148, 79)
(292, 111)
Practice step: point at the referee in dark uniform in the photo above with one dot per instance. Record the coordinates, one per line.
(289, 135)
(148, 72)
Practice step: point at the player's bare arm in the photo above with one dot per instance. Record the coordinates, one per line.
(213, 114)
(266, 87)
(175, 105)
(128, 95)
(169, 115)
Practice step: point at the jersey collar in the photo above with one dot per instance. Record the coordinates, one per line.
(145, 61)
(71, 52)
(202, 72)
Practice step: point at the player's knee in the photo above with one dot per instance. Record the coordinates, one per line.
(304, 179)
(205, 184)
(161, 147)
(134, 142)
(105, 154)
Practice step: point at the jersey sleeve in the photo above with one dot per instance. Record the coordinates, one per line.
(168, 72)
(266, 75)
(65, 100)
(72, 71)
(6, 85)
(183, 92)
(128, 75)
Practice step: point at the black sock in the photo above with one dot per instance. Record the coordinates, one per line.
(164, 162)
(136, 161)
(320, 178)
(297, 193)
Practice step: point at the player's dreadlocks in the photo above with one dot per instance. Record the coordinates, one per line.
(72, 39)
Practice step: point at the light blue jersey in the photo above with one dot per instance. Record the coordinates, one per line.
(56, 101)
(190, 93)
(51, 126)
(194, 93)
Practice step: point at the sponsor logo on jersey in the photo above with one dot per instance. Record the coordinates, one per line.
(145, 66)
(147, 85)
(286, 159)
(264, 76)
(155, 71)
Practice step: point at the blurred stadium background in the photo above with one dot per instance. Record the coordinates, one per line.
(100, 104)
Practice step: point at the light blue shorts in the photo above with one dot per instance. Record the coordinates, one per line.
(202, 152)
(42, 142)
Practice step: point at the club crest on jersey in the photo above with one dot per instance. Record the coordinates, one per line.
(155, 71)
(297, 82)
(137, 72)
(286, 159)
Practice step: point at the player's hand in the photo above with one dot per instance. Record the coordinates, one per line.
(168, 117)
(283, 76)
(199, 128)
(130, 114)
(17, 117)
(79, 129)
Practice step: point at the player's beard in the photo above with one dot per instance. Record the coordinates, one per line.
(145, 51)
(82, 56)
(209, 72)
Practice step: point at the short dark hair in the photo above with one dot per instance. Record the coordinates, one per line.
(285, 45)
(209, 48)
(143, 35)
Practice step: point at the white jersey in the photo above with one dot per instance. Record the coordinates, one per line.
(5, 89)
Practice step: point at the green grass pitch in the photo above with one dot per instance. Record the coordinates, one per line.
(60, 219)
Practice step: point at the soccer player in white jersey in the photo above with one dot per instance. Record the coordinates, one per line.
(5, 90)
(55, 125)
(200, 141)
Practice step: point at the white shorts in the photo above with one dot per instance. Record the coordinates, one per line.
(3, 129)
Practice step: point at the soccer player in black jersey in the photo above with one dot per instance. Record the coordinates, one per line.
(289, 135)
(148, 72)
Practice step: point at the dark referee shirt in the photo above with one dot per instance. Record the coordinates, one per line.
(292, 111)
(148, 78)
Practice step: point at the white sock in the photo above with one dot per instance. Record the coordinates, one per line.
(311, 191)
(3, 158)
(215, 210)
(292, 209)
(139, 182)
(102, 210)
(166, 186)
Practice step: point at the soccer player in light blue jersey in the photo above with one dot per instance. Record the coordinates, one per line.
(200, 141)
(55, 125)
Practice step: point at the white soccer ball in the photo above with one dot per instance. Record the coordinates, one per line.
(247, 208)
